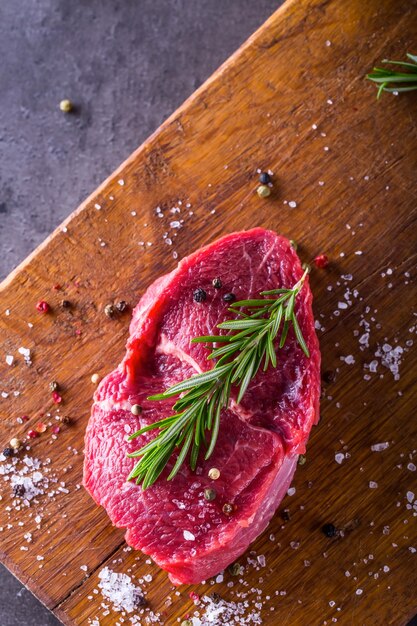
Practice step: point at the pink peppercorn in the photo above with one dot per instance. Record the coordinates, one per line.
(55, 429)
(56, 397)
(40, 427)
(321, 261)
(42, 306)
(194, 597)
(32, 434)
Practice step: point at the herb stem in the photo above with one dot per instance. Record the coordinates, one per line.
(203, 396)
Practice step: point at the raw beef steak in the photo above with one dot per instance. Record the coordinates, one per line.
(259, 440)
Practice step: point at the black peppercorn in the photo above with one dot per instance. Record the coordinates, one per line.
(215, 598)
(66, 304)
(8, 452)
(228, 508)
(19, 491)
(329, 530)
(229, 297)
(286, 515)
(139, 599)
(65, 419)
(121, 306)
(199, 295)
(217, 283)
(328, 376)
(264, 178)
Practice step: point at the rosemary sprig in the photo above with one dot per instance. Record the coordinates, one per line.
(394, 81)
(202, 397)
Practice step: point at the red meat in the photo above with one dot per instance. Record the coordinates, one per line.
(259, 440)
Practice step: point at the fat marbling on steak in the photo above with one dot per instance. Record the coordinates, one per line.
(259, 439)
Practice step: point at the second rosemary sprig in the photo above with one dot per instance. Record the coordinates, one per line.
(395, 81)
(195, 421)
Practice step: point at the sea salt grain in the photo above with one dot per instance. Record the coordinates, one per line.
(373, 484)
(292, 204)
(411, 467)
(379, 447)
(188, 536)
(9, 359)
(291, 491)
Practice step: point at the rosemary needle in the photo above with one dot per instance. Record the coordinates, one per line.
(394, 81)
(249, 345)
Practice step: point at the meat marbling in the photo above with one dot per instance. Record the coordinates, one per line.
(259, 440)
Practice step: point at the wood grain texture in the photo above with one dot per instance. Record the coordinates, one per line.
(257, 111)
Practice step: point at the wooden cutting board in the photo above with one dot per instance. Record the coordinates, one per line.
(293, 99)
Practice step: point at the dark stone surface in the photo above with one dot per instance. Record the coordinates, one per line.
(126, 64)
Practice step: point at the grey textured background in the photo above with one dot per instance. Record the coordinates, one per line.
(126, 64)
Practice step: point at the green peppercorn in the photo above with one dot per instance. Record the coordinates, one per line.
(294, 244)
(302, 459)
(306, 266)
(263, 191)
(234, 569)
(53, 385)
(186, 622)
(109, 310)
(210, 494)
(136, 409)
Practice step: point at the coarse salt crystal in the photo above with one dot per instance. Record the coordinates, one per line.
(188, 536)
(359, 592)
(97, 206)
(121, 182)
(84, 568)
(378, 447)
(292, 204)
(410, 496)
(373, 484)
(339, 457)
(411, 467)
(291, 491)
